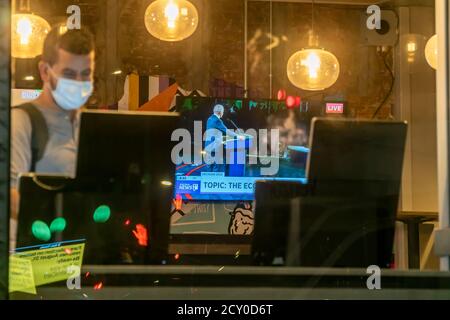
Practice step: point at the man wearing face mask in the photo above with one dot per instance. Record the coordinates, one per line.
(44, 132)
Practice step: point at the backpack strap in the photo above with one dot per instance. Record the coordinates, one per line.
(39, 132)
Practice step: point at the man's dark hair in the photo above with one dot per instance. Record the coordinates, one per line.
(77, 41)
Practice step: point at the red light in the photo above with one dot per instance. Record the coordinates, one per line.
(177, 256)
(298, 101)
(290, 102)
(178, 202)
(141, 235)
(98, 286)
(127, 222)
(281, 94)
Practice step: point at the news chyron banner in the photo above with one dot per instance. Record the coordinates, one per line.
(210, 184)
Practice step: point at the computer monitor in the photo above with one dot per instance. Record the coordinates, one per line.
(345, 215)
(364, 151)
(128, 154)
(120, 200)
(126, 146)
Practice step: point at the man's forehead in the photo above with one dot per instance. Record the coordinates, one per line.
(65, 56)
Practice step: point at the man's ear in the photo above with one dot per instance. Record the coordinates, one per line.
(43, 71)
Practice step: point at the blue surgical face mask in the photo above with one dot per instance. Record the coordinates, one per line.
(71, 94)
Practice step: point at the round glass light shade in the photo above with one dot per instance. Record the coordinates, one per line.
(28, 32)
(313, 69)
(431, 52)
(171, 20)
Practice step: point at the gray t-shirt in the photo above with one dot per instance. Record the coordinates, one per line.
(61, 149)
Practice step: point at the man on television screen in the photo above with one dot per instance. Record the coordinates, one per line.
(215, 123)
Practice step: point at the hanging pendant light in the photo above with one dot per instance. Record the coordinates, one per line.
(313, 68)
(28, 32)
(431, 52)
(171, 20)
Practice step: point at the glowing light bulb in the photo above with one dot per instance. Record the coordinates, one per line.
(24, 29)
(412, 47)
(312, 62)
(431, 52)
(171, 20)
(62, 29)
(171, 13)
(28, 32)
(313, 69)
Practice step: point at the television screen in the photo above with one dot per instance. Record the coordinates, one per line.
(226, 145)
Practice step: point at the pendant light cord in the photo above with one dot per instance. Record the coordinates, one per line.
(24, 6)
(391, 87)
(312, 41)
